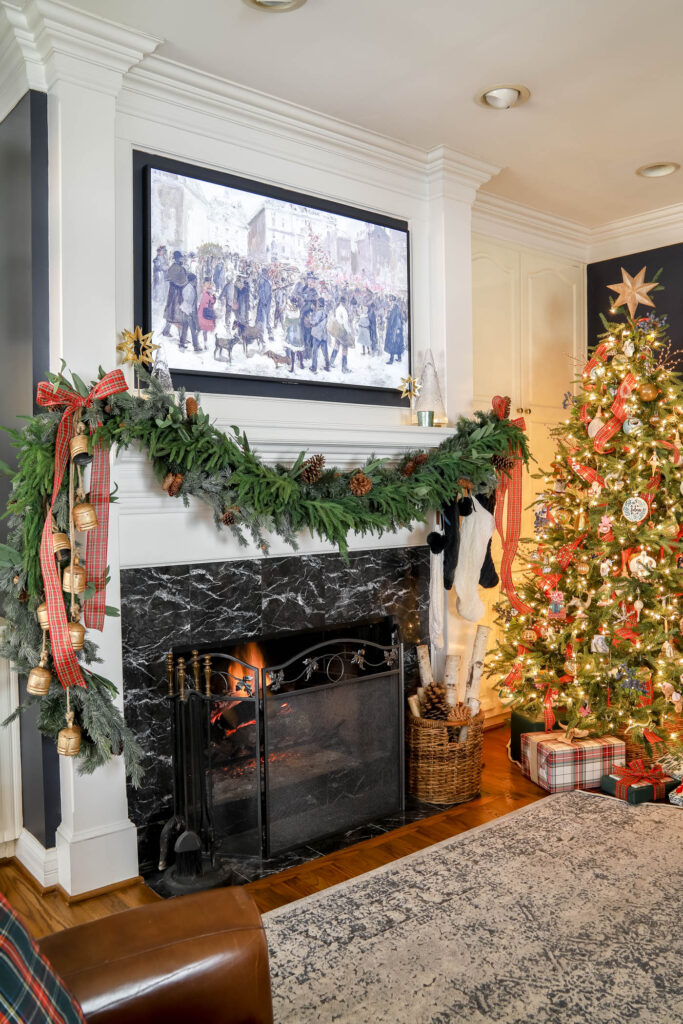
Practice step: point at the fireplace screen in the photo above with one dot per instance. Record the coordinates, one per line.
(291, 744)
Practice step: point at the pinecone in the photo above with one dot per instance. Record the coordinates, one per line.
(228, 517)
(313, 469)
(502, 461)
(434, 703)
(421, 458)
(167, 481)
(176, 484)
(191, 407)
(360, 484)
(409, 468)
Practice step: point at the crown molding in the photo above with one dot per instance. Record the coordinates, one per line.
(60, 43)
(637, 234)
(13, 77)
(456, 175)
(508, 221)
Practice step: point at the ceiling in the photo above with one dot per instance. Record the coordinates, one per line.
(606, 81)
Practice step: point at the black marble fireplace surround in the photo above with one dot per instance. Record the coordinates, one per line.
(176, 606)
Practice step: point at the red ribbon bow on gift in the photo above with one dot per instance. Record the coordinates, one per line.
(636, 771)
(66, 664)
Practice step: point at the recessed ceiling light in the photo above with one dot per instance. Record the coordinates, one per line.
(502, 97)
(658, 170)
(275, 5)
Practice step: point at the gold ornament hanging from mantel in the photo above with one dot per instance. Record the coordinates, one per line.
(75, 578)
(69, 739)
(40, 678)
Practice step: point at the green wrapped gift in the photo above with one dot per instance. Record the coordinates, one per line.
(636, 790)
(520, 723)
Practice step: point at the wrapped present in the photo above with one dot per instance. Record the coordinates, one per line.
(676, 795)
(558, 765)
(638, 784)
(521, 723)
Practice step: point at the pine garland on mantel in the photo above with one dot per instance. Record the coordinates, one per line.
(193, 458)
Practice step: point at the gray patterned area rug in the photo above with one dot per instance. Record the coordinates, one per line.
(567, 911)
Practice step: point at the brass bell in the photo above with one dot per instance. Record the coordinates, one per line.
(69, 739)
(78, 449)
(74, 580)
(61, 546)
(39, 680)
(41, 612)
(84, 517)
(77, 634)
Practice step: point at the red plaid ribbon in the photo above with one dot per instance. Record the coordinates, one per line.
(598, 357)
(618, 410)
(635, 771)
(674, 448)
(66, 664)
(586, 473)
(510, 487)
(548, 713)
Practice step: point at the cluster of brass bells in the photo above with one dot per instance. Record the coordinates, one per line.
(69, 739)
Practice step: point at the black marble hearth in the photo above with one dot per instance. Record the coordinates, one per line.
(175, 606)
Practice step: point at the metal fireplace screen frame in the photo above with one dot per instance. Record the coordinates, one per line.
(327, 669)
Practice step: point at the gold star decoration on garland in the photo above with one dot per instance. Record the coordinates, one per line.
(410, 387)
(136, 348)
(632, 290)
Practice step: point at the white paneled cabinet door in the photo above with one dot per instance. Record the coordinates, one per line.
(495, 321)
(529, 343)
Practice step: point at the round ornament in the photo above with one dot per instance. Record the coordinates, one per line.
(648, 391)
(583, 568)
(564, 517)
(655, 420)
(632, 425)
(641, 566)
(529, 636)
(570, 666)
(634, 509)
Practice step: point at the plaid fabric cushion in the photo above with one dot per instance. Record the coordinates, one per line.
(30, 991)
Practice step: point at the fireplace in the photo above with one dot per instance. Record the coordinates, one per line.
(284, 741)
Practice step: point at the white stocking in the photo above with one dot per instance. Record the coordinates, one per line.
(475, 532)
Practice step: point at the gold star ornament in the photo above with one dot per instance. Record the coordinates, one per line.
(137, 347)
(410, 387)
(632, 291)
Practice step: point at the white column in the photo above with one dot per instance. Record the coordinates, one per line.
(80, 61)
(453, 181)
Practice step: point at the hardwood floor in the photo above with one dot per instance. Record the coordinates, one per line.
(504, 789)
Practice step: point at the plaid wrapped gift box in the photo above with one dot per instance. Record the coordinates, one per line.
(633, 785)
(519, 724)
(558, 766)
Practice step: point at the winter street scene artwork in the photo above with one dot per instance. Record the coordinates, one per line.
(246, 285)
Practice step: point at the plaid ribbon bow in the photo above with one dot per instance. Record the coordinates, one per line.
(636, 771)
(66, 664)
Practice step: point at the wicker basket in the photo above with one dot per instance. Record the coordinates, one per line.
(636, 750)
(440, 769)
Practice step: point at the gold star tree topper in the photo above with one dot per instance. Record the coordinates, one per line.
(137, 347)
(632, 290)
(410, 387)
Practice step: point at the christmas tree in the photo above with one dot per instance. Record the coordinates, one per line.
(594, 637)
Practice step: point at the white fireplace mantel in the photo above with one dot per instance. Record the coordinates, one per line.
(154, 529)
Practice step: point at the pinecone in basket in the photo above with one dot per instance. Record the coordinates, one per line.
(502, 461)
(460, 712)
(360, 484)
(176, 484)
(409, 468)
(191, 407)
(434, 703)
(313, 469)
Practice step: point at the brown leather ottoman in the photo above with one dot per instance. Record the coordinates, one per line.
(191, 959)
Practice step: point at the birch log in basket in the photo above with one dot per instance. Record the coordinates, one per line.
(442, 770)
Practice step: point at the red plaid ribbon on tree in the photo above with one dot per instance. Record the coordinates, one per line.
(66, 664)
(510, 488)
(598, 357)
(674, 448)
(548, 713)
(636, 771)
(618, 410)
(586, 473)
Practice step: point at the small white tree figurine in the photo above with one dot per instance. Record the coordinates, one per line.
(430, 399)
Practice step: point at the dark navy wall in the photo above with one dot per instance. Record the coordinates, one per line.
(669, 301)
(24, 359)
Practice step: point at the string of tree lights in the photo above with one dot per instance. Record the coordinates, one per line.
(597, 640)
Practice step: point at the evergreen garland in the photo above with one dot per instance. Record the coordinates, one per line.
(228, 476)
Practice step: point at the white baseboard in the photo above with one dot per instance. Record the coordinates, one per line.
(8, 849)
(39, 862)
